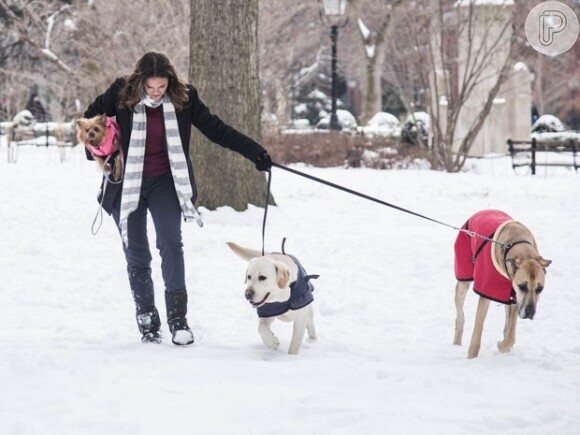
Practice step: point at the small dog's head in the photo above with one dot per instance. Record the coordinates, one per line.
(267, 281)
(529, 275)
(92, 131)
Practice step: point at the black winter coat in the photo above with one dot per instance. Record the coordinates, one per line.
(196, 113)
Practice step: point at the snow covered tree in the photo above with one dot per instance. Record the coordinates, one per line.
(110, 39)
(373, 44)
(34, 51)
(460, 54)
(291, 42)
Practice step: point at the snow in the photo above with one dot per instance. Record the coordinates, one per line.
(549, 121)
(345, 119)
(381, 119)
(521, 66)
(71, 360)
(381, 124)
(363, 29)
(366, 33)
(557, 136)
(370, 50)
(419, 117)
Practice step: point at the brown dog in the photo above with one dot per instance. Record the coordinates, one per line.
(505, 266)
(101, 137)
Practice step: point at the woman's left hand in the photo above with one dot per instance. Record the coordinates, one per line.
(264, 162)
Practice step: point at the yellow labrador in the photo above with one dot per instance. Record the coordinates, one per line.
(507, 269)
(278, 287)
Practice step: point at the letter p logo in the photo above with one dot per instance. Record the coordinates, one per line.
(551, 22)
(552, 28)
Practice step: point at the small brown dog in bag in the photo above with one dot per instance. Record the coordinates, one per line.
(101, 136)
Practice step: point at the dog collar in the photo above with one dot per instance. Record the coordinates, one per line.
(507, 248)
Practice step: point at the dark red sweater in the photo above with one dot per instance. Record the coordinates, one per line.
(156, 159)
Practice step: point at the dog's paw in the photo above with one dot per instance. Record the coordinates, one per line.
(272, 342)
(473, 352)
(504, 346)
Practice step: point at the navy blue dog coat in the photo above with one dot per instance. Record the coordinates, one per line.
(300, 294)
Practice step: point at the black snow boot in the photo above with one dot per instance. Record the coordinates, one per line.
(176, 304)
(149, 325)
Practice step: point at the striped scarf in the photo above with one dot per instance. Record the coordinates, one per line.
(135, 157)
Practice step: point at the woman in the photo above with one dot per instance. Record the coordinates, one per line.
(155, 111)
(35, 107)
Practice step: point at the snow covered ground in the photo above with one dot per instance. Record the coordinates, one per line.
(71, 361)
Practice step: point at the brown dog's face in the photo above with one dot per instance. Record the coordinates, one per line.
(266, 281)
(528, 282)
(92, 131)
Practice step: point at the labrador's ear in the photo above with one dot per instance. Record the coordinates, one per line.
(283, 275)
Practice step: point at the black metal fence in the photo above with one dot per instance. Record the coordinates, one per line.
(525, 152)
(48, 134)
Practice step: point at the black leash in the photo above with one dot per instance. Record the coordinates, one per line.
(362, 195)
(266, 208)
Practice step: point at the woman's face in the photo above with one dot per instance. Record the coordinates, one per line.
(155, 87)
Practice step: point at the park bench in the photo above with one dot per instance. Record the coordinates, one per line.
(46, 134)
(563, 151)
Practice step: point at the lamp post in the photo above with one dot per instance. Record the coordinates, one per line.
(334, 13)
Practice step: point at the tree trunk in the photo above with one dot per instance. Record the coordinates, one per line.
(372, 102)
(373, 45)
(224, 69)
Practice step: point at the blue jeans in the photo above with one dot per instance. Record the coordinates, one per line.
(159, 197)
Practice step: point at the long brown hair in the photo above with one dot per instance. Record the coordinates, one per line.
(150, 65)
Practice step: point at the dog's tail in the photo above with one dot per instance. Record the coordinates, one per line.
(245, 253)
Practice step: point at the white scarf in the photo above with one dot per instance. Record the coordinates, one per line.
(135, 157)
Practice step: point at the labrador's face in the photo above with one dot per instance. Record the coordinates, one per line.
(266, 281)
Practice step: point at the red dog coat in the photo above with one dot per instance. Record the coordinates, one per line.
(473, 257)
